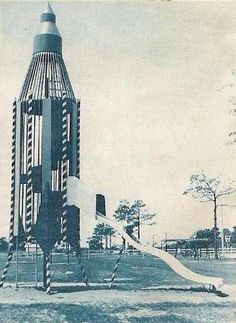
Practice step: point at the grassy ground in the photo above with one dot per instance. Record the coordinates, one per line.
(145, 290)
(134, 271)
(160, 312)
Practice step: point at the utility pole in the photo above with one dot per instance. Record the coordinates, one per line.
(153, 240)
(222, 232)
(139, 223)
(166, 234)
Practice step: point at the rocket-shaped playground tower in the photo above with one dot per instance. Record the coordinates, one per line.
(46, 165)
(45, 148)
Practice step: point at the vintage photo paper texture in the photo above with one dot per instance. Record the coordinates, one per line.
(118, 134)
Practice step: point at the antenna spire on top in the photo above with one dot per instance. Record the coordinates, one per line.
(49, 8)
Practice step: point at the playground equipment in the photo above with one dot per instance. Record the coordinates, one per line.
(45, 150)
(74, 193)
(46, 193)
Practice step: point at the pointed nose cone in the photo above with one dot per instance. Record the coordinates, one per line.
(49, 9)
(48, 39)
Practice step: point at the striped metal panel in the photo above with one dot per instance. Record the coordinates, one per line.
(73, 140)
(29, 191)
(11, 232)
(64, 165)
(47, 77)
(18, 150)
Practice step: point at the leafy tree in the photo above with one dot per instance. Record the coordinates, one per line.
(95, 243)
(3, 244)
(104, 231)
(124, 212)
(227, 232)
(110, 233)
(206, 234)
(142, 216)
(133, 216)
(233, 236)
(207, 189)
(101, 231)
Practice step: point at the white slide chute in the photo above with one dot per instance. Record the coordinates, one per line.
(76, 191)
(171, 261)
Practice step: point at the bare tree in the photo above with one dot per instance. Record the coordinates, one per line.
(229, 89)
(207, 189)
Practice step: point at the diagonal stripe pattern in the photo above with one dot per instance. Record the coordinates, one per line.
(28, 218)
(116, 266)
(9, 259)
(48, 275)
(11, 234)
(64, 166)
(13, 175)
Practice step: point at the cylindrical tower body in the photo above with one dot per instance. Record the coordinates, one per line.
(46, 134)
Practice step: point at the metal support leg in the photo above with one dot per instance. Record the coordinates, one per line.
(9, 259)
(79, 258)
(44, 271)
(116, 266)
(48, 275)
(17, 254)
(36, 265)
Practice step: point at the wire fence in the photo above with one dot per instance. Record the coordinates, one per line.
(178, 253)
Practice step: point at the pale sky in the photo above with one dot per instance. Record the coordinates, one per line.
(152, 78)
